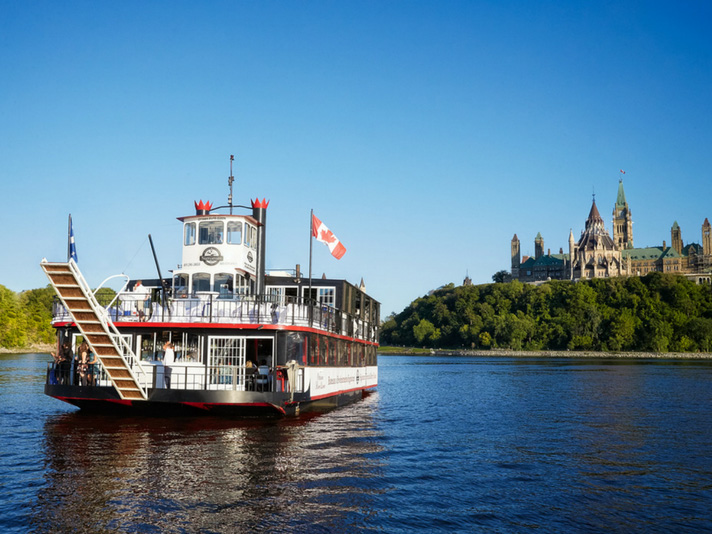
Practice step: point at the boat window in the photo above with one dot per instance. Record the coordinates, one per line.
(234, 232)
(180, 285)
(248, 235)
(275, 294)
(148, 344)
(223, 284)
(296, 347)
(243, 286)
(326, 296)
(189, 232)
(253, 242)
(211, 232)
(201, 282)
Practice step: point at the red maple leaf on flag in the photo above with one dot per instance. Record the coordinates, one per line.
(327, 236)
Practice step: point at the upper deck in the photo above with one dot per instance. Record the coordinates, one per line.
(210, 310)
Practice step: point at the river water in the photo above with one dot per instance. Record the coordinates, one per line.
(446, 444)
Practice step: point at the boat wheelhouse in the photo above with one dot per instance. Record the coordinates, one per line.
(221, 336)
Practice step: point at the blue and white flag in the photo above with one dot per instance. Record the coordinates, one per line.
(72, 246)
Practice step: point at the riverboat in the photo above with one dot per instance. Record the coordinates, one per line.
(244, 341)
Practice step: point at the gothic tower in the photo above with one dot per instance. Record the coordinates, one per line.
(538, 246)
(706, 238)
(571, 254)
(676, 235)
(622, 221)
(516, 257)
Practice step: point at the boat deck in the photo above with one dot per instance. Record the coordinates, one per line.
(246, 311)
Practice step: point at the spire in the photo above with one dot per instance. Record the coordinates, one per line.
(620, 200)
(594, 215)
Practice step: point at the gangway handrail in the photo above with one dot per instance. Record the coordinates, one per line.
(103, 316)
(118, 292)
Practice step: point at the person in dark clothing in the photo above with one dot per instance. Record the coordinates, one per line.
(63, 362)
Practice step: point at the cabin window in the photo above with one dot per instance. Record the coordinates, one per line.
(253, 243)
(211, 233)
(223, 284)
(275, 294)
(180, 285)
(327, 296)
(247, 235)
(187, 346)
(314, 353)
(296, 347)
(147, 342)
(234, 232)
(242, 286)
(189, 232)
(201, 282)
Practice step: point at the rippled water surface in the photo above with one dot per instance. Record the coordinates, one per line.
(444, 445)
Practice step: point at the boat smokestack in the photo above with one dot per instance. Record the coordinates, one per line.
(259, 212)
(202, 208)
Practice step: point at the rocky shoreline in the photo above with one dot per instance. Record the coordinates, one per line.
(555, 354)
(32, 349)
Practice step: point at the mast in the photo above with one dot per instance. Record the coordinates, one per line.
(230, 180)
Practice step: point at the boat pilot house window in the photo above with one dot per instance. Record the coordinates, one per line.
(201, 282)
(234, 232)
(180, 285)
(211, 233)
(189, 233)
(223, 284)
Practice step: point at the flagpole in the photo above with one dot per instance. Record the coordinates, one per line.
(69, 238)
(311, 244)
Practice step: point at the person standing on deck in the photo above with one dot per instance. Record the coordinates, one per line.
(169, 357)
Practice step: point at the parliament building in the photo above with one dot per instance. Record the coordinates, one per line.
(598, 255)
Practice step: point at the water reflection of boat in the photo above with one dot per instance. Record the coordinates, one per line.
(207, 474)
(242, 341)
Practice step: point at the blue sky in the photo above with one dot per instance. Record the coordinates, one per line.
(424, 134)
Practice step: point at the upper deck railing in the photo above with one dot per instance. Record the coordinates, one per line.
(212, 308)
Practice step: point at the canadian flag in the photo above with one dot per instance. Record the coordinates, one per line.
(323, 234)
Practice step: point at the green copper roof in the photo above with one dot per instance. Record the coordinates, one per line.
(620, 200)
(649, 253)
(675, 226)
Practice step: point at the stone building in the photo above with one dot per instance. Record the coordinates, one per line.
(598, 255)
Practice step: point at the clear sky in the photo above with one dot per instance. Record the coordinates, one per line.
(424, 134)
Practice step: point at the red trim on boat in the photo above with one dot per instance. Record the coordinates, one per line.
(207, 406)
(124, 402)
(341, 392)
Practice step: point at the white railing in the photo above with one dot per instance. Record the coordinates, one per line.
(237, 311)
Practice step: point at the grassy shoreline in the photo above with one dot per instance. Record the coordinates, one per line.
(413, 351)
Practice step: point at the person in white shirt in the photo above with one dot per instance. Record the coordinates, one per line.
(169, 357)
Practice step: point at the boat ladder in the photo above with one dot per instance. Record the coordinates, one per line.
(115, 354)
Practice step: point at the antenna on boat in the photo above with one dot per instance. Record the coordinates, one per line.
(230, 180)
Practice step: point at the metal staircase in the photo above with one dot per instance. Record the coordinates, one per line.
(92, 320)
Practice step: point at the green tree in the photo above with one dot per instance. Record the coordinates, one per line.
(501, 276)
(12, 320)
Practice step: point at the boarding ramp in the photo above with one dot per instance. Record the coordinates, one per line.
(115, 354)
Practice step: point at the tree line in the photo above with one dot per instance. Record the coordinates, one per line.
(656, 313)
(25, 317)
